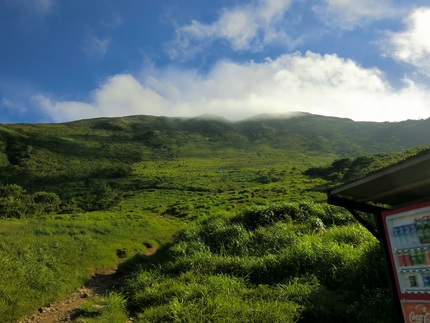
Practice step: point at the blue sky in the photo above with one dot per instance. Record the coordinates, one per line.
(68, 60)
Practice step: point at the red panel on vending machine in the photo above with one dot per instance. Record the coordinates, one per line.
(408, 239)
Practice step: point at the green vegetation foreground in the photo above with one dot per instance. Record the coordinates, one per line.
(45, 259)
(294, 262)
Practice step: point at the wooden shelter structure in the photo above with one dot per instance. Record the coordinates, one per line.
(401, 186)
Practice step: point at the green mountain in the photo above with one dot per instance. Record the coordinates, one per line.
(73, 158)
(303, 132)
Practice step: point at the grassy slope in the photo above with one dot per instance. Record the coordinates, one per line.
(45, 259)
(290, 262)
(177, 168)
(136, 154)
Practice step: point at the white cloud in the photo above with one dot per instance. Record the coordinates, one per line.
(313, 83)
(247, 27)
(348, 14)
(120, 95)
(412, 45)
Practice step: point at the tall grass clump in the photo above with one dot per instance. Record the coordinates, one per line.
(204, 298)
(293, 211)
(290, 262)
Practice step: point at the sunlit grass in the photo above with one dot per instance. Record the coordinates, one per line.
(289, 262)
(43, 260)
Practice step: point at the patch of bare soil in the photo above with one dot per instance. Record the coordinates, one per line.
(66, 310)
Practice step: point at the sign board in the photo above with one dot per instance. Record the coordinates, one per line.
(408, 239)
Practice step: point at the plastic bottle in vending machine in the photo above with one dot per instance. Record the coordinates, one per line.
(401, 237)
(408, 235)
(427, 232)
(420, 231)
(395, 240)
(404, 230)
(414, 234)
(426, 279)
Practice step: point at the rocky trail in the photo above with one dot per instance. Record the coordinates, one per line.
(100, 284)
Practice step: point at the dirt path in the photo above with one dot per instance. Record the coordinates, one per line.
(66, 310)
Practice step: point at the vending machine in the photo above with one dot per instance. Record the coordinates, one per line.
(408, 239)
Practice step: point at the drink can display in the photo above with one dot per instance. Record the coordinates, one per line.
(418, 258)
(412, 280)
(407, 259)
(422, 257)
(427, 257)
(426, 279)
(401, 259)
(414, 259)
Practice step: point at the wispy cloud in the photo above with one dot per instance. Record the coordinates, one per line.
(44, 6)
(95, 46)
(412, 45)
(38, 7)
(349, 14)
(249, 27)
(322, 84)
(12, 106)
(113, 23)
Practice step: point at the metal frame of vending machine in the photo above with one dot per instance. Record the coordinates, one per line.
(407, 231)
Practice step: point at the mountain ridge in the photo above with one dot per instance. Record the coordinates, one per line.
(312, 132)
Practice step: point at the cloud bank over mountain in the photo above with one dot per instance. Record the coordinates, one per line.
(362, 60)
(327, 85)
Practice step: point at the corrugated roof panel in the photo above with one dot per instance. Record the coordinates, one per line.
(403, 183)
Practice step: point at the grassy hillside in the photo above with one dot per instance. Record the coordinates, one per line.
(75, 196)
(110, 157)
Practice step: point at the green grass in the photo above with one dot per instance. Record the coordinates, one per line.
(255, 230)
(283, 263)
(43, 260)
(109, 309)
(199, 298)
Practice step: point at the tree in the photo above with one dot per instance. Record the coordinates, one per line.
(13, 201)
(46, 202)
